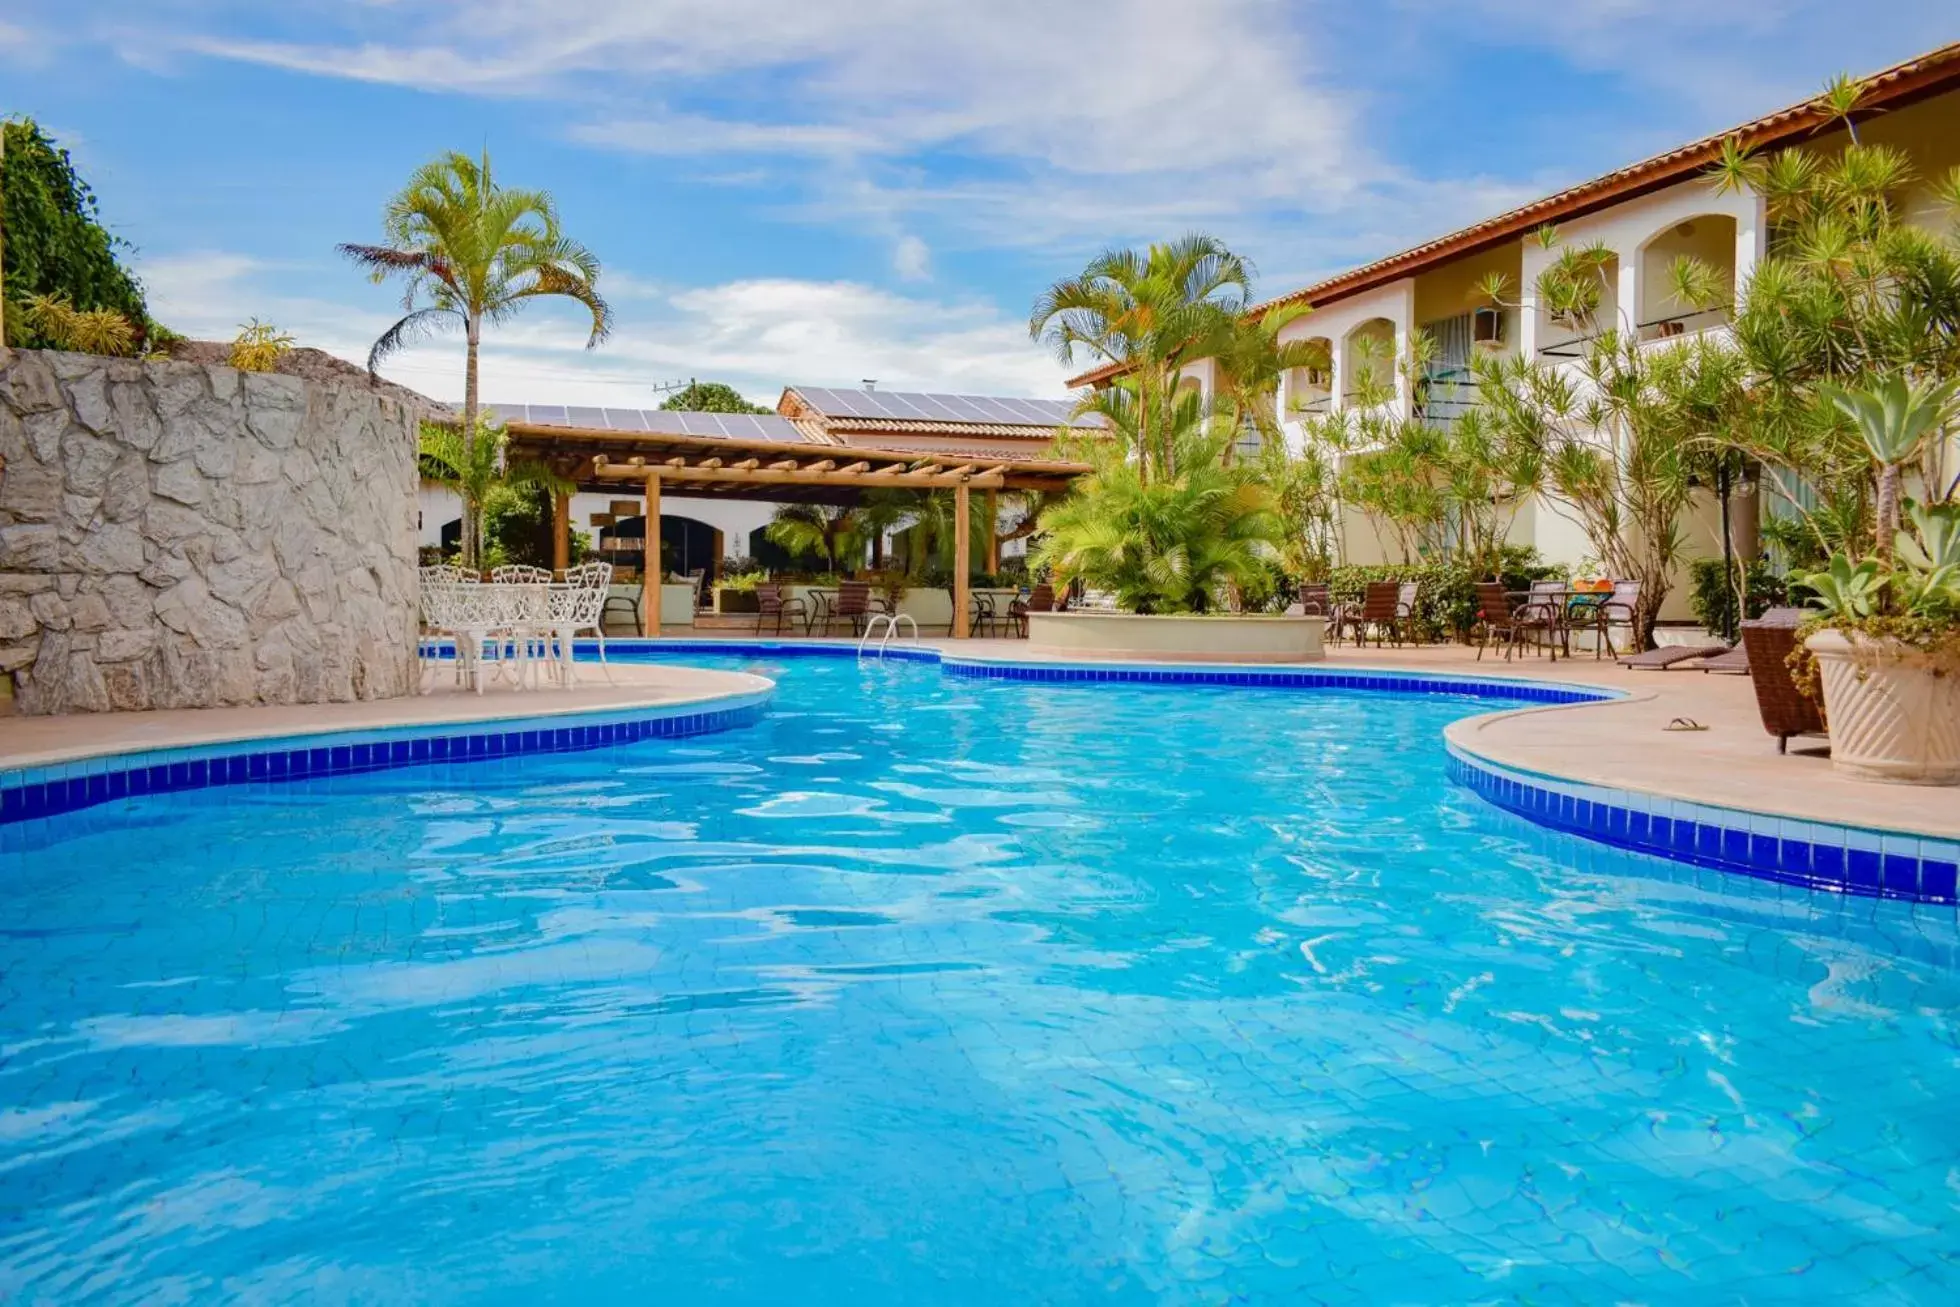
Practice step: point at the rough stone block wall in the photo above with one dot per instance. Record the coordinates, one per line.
(174, 536)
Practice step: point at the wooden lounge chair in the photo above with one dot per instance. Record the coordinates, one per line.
(1668, 655)
(771, 606)
(1512, 622)
(1786, 710)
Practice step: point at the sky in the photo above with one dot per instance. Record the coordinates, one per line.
(825, 191)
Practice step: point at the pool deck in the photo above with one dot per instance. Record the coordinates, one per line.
(1620, 744)
(40, 741)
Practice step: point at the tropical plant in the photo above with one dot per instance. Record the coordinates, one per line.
(476, 470)
(473, 252)
(710, 397)
(1851, 296)
(1182, 540)
(259, 346)
(58, 323)
(1149, 313)
(1249, 359)
(827, 530)
(1712, 593)
(1617, 438)
(53, 244)
(1895, 418)
(1305, 497)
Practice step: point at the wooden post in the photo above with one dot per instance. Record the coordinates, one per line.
(561, 533)
(962, 559)
(650, 576)
(992, 511)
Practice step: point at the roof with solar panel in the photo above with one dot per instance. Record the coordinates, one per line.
(922, 411)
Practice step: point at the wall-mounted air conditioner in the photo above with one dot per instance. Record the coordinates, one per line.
(1487, 328)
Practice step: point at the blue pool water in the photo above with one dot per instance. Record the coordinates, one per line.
(934, 990)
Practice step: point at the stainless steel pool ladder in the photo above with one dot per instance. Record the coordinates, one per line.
(888, 624)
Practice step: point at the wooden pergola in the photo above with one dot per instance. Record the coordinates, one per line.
(774, 470)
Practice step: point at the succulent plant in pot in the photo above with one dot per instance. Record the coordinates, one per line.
(1887, 641)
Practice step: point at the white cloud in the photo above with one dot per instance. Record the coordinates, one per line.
(912, 259)
(757, 335)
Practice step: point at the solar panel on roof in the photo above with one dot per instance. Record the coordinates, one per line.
(545, 414)
(625, 419)
(585, 417)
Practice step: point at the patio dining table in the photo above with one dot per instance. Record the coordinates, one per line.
(511, 621)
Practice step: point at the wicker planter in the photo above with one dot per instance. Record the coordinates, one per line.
(1893, 718)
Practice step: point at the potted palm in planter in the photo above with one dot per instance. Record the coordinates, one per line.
(1887, 646)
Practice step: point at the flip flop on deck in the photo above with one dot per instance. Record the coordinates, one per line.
(1669, 654)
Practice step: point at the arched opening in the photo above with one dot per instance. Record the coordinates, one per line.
(1310, 387)
(1368, 358)
(1590, 307)
(1687, 277)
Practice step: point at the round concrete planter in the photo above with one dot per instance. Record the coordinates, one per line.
(1892, 718)
(1177, 637)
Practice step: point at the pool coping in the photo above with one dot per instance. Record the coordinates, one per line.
(89, 776)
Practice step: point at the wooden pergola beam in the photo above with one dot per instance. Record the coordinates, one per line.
(804, 477)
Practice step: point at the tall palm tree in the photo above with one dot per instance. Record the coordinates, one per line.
(471, 252)
(1251, 360)
(1149, 312)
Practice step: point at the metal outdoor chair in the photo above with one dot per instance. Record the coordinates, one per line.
(1040, 600)
(1504, 619)
(1381, 611)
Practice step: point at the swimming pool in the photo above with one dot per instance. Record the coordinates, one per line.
(929, 989)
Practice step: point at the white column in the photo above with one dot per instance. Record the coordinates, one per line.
(1630, 310)
(1283, 404)
(1337, 351)
(1405, 326)
(1529, 266)
(1751, 238)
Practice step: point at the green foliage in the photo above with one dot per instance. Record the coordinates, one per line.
(1712, 593)
(1919, 581)
(1177, 542)
(823, 530)
(517, 527)
(710, 397)
(1149, 312)
(476, 471)
(258, 347)
(53, 243)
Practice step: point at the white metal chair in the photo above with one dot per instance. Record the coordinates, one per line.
(578, 605)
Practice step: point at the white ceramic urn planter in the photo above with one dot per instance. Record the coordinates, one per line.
(1892, 717)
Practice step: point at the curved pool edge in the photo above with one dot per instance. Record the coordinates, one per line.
(47, 789)
(1827, 856)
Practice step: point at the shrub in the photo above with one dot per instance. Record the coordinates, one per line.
(258, 346)
(1712, 596)
(58, 324)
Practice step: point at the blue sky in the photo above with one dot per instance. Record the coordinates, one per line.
(827, 190)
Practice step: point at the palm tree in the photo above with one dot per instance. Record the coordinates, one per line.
(1180, 542)
(1252, 358)
(473, 252)
(475, 469)
(827, 529)
(1150, 313)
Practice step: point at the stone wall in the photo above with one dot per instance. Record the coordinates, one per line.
(175, 535)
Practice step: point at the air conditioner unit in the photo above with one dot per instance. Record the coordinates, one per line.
(1487, 328)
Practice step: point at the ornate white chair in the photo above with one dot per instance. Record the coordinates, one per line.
(579, 605)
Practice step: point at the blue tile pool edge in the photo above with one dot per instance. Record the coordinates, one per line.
(1825, 856)
(31, 793)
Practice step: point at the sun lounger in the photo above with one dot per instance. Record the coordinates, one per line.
(1659, 660)
(1734, 662)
